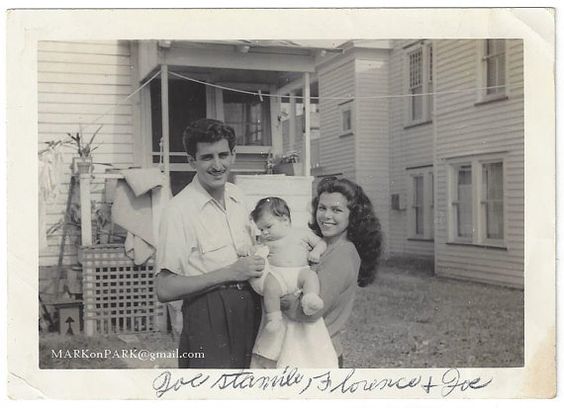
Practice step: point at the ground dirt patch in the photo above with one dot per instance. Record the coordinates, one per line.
(406, 318)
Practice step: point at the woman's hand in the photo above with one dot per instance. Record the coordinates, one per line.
(291, 306)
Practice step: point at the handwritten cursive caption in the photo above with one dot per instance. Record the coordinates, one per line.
(345, 382)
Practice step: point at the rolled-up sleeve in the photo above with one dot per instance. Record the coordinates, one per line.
(175, 242)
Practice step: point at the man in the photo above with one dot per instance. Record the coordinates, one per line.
(201, 231)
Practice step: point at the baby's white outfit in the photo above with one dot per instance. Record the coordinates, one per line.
(296, 344)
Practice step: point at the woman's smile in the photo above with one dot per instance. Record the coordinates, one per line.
(332, 215)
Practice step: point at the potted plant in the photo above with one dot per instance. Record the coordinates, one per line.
(289, 164)
(83, 163)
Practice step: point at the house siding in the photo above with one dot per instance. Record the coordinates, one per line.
(372, 135)
(464, 128)
(409, 147)
(336, 153)
(78, 82)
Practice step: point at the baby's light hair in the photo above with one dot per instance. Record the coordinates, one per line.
(273, 205)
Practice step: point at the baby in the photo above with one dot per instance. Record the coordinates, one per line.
(288, 251)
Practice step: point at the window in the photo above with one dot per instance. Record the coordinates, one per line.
(249, 116)
(419, 83)
(418, 204)
(477, 202)
(492, 200)
(346, 118)
(420, 215)
(463, 202)
(493, 69)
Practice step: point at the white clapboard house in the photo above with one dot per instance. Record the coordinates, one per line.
(444, 167)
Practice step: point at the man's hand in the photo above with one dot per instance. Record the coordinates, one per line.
(246, 250)
(247, 267)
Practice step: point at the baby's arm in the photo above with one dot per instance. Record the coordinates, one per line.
(271, 294)
(309, 282)
(318, 244)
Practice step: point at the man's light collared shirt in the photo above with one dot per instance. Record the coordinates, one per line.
(197, 235)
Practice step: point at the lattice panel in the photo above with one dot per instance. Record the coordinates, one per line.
(119, 297)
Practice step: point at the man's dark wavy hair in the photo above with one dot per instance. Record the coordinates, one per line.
(207, 131)
(364, 229)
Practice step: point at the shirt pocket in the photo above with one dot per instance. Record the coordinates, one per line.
(216, 250)
(213, 242)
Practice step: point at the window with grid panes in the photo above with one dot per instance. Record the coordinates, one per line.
(419, 83)
(492, 73)
(495, 67)
(249, 116)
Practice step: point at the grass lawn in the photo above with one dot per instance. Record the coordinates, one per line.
(411, 319)
(405, 319)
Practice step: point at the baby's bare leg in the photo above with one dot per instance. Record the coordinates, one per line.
(310, 281)
(271, 294)
(311, 302)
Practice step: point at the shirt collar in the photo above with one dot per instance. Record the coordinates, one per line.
(202, 197)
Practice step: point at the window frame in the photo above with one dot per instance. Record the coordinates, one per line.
(427, 203)
(479, 227)
(483, 58)
(426, 69)
(347, 106)
(454, 202)
(483, 203)
(250, 87)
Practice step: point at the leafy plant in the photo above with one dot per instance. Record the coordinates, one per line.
(84, 150)
(290, 157)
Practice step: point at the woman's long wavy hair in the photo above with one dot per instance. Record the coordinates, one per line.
(364, 229)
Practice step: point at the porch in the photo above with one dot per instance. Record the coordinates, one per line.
(266, 90)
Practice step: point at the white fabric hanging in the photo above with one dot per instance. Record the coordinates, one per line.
(51, 173)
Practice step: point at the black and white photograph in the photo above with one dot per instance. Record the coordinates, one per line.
(267, 215)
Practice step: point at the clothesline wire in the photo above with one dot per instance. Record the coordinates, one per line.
(111, 108)
(351, 97)
(226, 88)
(261, 95)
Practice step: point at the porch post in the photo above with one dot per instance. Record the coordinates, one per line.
(307, 126)
(276, 133)
(292, 124)
(165, 125)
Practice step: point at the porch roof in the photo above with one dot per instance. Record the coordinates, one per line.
(269, 61)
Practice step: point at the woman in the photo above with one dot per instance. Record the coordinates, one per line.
(345, 218)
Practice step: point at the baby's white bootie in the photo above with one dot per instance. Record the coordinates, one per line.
(311, 303)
